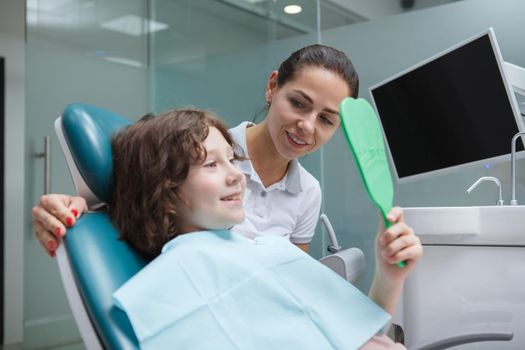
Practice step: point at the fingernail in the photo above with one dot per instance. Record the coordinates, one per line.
(74, 212)
(51, 246)
(52, 254)
(57, 232)
(69, 221)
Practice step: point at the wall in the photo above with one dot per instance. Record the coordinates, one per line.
(12, 20)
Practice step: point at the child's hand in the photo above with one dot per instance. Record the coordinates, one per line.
(395, 244)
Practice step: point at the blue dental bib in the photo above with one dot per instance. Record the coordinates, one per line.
(219, 290)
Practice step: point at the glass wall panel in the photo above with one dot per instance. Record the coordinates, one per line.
(73, 54)
(115, 31)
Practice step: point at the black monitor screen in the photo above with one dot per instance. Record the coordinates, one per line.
(450, 111)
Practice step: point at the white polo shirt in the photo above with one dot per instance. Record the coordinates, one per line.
(288, 208)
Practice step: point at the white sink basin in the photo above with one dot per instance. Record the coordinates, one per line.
(487, 225)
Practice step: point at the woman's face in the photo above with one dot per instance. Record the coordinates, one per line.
(304, 112)
(213, 189)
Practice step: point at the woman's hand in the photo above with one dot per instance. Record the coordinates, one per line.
(54, 213)
(395, 244)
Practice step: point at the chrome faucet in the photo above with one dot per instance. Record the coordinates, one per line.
(487, 178)
(513, 200)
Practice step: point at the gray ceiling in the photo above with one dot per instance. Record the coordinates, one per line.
(195, 27)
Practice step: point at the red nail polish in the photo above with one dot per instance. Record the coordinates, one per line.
(74, 212)
(51, 246)
(52, 254)
(57, 232)
(69, 221)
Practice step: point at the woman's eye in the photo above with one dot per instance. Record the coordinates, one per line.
(211, 164)
(326, 120)
(296, 103)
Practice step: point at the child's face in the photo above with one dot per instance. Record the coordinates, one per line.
(213, 189)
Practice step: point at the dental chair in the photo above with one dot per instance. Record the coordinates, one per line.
(93, 262)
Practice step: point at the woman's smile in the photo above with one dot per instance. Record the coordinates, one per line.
(296, 141)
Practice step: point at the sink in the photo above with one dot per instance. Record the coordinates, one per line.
(483, 225)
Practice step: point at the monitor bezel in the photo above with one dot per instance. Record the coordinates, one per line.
(510, 95)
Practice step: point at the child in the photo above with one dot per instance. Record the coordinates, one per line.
(214, 289)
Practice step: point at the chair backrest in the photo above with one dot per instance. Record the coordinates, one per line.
(92, 261)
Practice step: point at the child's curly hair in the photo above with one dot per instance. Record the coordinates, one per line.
(151, 159)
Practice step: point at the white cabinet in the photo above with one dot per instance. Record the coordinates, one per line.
(470, 291)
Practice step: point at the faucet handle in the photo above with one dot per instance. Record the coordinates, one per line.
(487, 178)
(513, 200)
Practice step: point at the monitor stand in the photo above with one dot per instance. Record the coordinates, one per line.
(516, 77)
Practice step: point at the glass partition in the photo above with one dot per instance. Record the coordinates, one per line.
(77, 51)
(115, 31)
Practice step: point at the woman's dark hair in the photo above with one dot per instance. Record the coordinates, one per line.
(151, 159)
(320, 56)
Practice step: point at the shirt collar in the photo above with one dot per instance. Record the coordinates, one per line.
(292, 179)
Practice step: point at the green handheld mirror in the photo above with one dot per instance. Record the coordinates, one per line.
(363, 133)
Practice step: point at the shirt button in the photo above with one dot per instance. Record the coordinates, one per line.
(263, 194)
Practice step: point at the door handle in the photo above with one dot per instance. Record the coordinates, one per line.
(46, 154)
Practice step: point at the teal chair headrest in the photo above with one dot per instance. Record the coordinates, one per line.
(88, 131)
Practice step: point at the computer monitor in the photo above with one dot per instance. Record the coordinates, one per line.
(452, 110)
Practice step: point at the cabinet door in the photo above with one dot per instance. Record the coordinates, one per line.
(466, 293)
